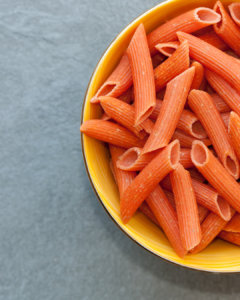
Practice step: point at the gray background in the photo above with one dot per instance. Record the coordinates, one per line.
(57, 242)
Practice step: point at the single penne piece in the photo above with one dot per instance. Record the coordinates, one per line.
(234, 132)
(226, 29)
(169, 48)
(187, 140)
(224, 90)
(196, 175)
(170, 113)
(118, 82)
(203, 106)
(172, 67)
(148, 179)
(198, 77)
(203, 31)
(188, 122)
(157, 60)
(214, 40)
(124, 114)
(128, 96)
(216, 174)
(213, 58)
(186, 205)
(145, 209)
(203, 84)
(111, 133)
(132, 160)
(143, 76)
(210, 227)
(220, 103)
(167, 218)
(226, 119)
(234, 9)
(188, 22)
(231, 237)
(234, 224)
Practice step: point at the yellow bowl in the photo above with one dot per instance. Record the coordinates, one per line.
(220, 256)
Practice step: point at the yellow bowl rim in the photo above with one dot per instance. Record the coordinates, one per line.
(85, 160)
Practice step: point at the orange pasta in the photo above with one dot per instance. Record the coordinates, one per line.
(203, 106)
(196, 175)
(224, 90)
(143, 76)
(169, 48)
(188, 122)
(187, 140)
(214, 40)
(111, 133)
(105, 117)
(127, 97)
(234, 224)
(118, 82)
(188, 22)
(157, 60)
(132, 160)
(234, 9)
(203, 31)
(232, 237)
(210, 227)
(227, 29)
(198, 77)
(220, 103)
(161, 94)
(213, 58)
(167, 218)
(145, 209)
(234, 132)
(186, 205)
(172, 67)
(216, 174)
(148, 178)
(124, 114)
(226, 118)
(173, 104)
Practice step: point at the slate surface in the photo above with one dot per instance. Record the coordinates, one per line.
(56, 240)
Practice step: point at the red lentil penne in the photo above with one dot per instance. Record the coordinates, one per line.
(143, 76)
(148, 179)
(172, 107)
(160, 94)
(167, 218)
(188, 122)
(118, 82)
(216, 174)
(224, 90)
(231, 237)
(203, 106)
(196, 175)
(145, 209)
(210, 227)
(213, 58)
(226, 119)
(187, 140)
(220, 103)
(234, 224)
(198, 77)
(214, 40)
(234, 9)
(188, 22)
(157, 60)
(169, 48)
(132, 160)
(172, 67)
(127, 97)
(203, 31)
(226, 29)
(105, 117)
(111, 133)
(234, 132)
(186, 205)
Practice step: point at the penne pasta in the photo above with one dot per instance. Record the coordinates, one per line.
(213, 58)
(172, 107)
(187, 140)
(220, 103)
(234, 224)
(203, 106)
(234, 9)
(167, 218)
(234, 132)
(216, 174)
(188, 22)
(172, 67)
(145, 209)
(143, 76)
(157, 60)
(226, 117)
(186, 204)
(118, 82)
(148, 179)
(111, 133)
(168, 49)
(226, 29)
(196, 175)
(214, 40)
(231, 237)
(198, 77)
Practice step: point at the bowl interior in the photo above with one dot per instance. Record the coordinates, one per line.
(220, 256)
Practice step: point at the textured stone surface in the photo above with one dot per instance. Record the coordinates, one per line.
(56, 240)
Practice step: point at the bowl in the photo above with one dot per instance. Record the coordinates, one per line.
(219, 256)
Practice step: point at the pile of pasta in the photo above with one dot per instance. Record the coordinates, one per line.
(177, 159)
